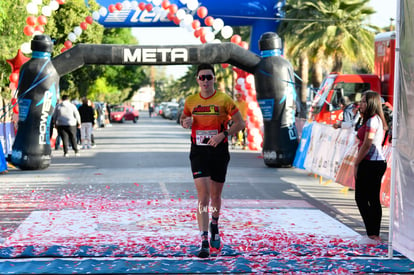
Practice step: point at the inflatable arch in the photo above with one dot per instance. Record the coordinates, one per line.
(39, 89)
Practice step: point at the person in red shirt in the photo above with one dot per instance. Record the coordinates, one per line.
(207, 113)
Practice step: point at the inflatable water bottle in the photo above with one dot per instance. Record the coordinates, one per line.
(274, 79)
(38, 90)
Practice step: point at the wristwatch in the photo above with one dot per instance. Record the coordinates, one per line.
(226, 133)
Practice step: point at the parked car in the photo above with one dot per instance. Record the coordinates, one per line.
(170, 111)
(124, 113)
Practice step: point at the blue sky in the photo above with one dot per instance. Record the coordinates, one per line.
(385, 9)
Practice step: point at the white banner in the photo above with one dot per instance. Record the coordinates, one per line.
(327, 149)
(403, 154)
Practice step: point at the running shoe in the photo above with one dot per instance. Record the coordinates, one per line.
(365, 240)
(205, 250)
(215, 237)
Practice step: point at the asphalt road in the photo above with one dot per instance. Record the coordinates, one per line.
(149, 160)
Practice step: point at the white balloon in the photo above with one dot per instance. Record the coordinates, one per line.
(25, 47)
(240, 80)
(192, 5)
(72, 37)
(95, 15)
(216, 41)
(182, 24)
(157, 2)
(46, 11)
(134, 5)
(37, 2)
(126, 5)
(77, 30)
(226, 32)
(103, 11)
(32, 8)
(37, 33)
(188, 19)
(180, 14)
(218, 24)
(250, 79)
(54, 5)
(209, 36)
(190, 29)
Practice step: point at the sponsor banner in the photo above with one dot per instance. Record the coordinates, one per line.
(302, 150)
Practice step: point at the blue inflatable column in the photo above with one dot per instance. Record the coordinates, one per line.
(276, 95)
(38, 91)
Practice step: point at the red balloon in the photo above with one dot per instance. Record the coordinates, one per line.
(14, 77)
(84, 25)
(202, 12)
(197, 33)
(28, 30)
(31, 20)
(173, 8)
(61, 2)
(176, 21)
(195, 24)
(209, 21)
(236, 39)
(203, 39)
(118, 6)
(149, 7)
(89, 19)
(42, 20)
(68, 44)
(141, 6)
(39, 28)
(249, 112)
(224, 65)
(202, 32)
(165, 4)
(170, 16)
(244, 45)
(63, 49)
(111, 8)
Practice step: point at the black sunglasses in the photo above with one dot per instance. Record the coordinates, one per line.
(205, 76)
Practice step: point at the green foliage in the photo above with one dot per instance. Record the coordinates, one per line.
(121, 81)
(330, 31)
(12, 21)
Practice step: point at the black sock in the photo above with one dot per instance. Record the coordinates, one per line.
(214, 225)
(204, 236)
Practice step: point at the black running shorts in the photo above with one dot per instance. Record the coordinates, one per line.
(209, 161)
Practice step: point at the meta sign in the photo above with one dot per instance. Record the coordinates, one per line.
(260, 15)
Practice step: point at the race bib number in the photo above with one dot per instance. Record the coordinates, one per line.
(203, 136)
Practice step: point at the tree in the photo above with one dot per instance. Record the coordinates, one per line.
(126, 79)
(324, 32)
(70, 15)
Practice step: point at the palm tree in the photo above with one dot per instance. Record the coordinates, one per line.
(328, 31)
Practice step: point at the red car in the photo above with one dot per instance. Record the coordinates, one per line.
(124, 113)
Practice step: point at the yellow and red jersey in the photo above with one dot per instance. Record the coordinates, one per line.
(209, 114)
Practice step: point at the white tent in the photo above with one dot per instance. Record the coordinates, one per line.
(402, 172)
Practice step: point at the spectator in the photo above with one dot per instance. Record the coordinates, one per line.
(67, 119)
(87, 122)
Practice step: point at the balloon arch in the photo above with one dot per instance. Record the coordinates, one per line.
(271, 110)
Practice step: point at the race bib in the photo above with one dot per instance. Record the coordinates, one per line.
(203, 136)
